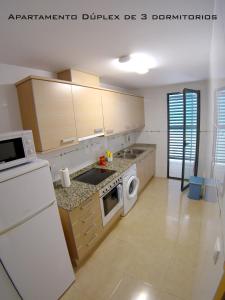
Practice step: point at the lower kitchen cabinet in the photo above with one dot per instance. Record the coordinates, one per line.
(145, 168)
(83, 228)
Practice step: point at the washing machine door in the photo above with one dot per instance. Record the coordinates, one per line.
(132, 187)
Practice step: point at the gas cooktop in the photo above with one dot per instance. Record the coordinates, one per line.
(94, 176)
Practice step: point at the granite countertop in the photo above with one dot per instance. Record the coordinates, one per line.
(78, 192)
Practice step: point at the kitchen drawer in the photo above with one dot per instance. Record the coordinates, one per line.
(84, 237)
(87, 244)
(84, 210)
(84, 223)
(85, 216)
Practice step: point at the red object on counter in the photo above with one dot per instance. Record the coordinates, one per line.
(102, 161)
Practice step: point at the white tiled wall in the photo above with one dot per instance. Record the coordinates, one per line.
(86, 153)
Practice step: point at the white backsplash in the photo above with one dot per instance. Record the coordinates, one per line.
(86, 152)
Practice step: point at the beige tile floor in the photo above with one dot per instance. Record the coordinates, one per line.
(157, 252)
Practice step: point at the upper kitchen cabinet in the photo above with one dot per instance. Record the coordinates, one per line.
(47, 109)
(113, 112)
(122, 112)
(62, 113)
(88, 112)
(133, 112)
(137, 113)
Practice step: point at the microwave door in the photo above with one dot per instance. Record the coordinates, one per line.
(11, 150)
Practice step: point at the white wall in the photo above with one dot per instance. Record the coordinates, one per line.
(217, 81)
(9, 109)
(155, 131)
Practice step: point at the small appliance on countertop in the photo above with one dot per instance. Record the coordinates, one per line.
(16, 148)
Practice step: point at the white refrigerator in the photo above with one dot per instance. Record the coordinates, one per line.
(33, 250)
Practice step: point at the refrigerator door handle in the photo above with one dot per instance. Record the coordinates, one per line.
(27, 218)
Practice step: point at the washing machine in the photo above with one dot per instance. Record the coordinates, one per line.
(130, 188)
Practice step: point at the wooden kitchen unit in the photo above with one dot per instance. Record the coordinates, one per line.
(122, 112)
(79, 77)
(88, 111)
(83, 228)
(145, 168)
(47, 109)
(62, 113)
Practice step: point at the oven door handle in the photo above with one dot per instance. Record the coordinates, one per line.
(120, 191)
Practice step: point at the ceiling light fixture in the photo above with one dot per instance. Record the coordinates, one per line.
(137, 62)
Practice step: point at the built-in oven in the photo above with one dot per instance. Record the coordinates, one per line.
(111, 199)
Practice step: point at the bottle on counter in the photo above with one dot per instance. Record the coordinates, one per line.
(109, 156)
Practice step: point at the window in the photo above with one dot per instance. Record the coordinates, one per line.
(175, 125)
(220, 124)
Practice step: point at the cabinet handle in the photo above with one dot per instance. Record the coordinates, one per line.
(98, 130)
(92, 240)
(68, 140)
(108, 131)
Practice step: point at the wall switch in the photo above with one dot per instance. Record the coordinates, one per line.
(217, 250)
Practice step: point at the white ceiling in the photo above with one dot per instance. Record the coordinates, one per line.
(180, 47)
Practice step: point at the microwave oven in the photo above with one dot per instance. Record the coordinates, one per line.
(16, 148)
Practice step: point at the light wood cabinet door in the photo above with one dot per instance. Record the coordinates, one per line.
(137, 112)
(140, 174)
(55, 114)
(149, 162)
(122, 112)
(113, 105)
(47, 109)
(145, 169)
(127, 107)
(140, 112)
(88, 111)
(132, 109)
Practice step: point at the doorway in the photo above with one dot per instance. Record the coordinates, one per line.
(183, 113)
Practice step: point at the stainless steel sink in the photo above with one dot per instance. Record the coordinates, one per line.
(138, 151)
(126, 155)
(129, 153)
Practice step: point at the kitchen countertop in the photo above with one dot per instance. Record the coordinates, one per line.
(73, 196)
